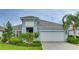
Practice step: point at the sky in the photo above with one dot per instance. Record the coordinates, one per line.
(53, 15)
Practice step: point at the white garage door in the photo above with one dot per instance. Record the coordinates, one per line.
(52, 36)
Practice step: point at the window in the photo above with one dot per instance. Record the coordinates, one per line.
(29, 29)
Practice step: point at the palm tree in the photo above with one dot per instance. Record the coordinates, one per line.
(71, 20)
(65, 25)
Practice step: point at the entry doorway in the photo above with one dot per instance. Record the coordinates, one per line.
(29, 29)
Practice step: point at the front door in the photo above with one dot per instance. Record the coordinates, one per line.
(29, 29)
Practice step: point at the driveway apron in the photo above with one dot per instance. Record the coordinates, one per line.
(59, 46)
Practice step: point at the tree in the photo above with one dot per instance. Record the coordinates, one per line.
(8, 32)
(71, 20)
(65, 25)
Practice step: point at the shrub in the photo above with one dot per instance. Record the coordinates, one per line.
(29, 37)
(15, 40)
(0, 37)
(36, 43)
(22, 44)
(36, 35)
(4, 39)
(77, 36)
(71, 39)
(70, 36)
(73, 36)
(23, 36)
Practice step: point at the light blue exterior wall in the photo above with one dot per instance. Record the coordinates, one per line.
(34, 24)
(23, 27)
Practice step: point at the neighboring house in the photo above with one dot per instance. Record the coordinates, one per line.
(49, 31)
(72, 33)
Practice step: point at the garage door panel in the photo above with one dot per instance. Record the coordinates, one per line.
(52, 36)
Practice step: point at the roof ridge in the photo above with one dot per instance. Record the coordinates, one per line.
(30, 16)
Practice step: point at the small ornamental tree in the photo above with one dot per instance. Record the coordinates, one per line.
(8, 32)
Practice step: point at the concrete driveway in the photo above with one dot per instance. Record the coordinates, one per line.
(59, 46)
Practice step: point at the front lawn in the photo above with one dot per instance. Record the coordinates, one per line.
(14, 47)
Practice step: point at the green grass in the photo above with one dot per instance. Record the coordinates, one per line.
(14, 47)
